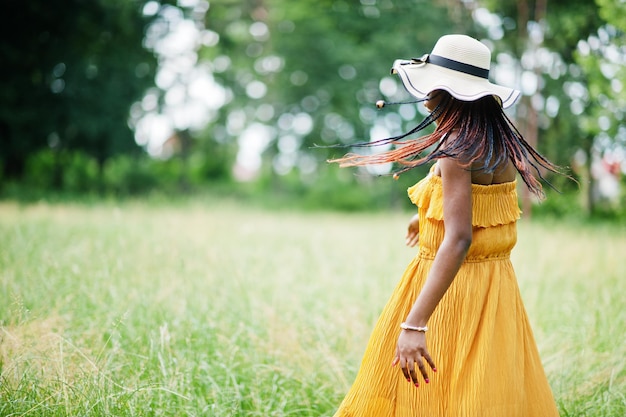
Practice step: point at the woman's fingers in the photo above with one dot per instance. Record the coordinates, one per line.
(409, 366)
(412, 239)
(413, 373)
(430, 362)
(395, 360)
(405, 369)
(422, 368)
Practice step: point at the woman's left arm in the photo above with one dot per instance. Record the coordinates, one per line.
(457, 217)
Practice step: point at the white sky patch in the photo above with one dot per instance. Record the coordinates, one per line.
(388, 86)
(259, 31)
(188, 3)
(489, 21)
(302, 124)
(552, 106)
(529, 83)
(152, 131)
(183, 37)
(252, 143)
(203, 87)
(379, 131)
(407, 111)
(288, 144)
(380, 169)
(151, 8)
(191, 97)
(256, 89)
(506, 71)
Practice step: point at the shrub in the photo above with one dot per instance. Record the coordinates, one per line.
(127, 175)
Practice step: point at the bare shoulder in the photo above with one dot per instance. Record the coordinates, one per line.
(448, 165)
(451, 171)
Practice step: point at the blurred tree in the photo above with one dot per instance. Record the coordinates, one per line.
(309, 72)
(71, 70)
(175, 119)
(541, 37)
(277, 77)
(602, 57)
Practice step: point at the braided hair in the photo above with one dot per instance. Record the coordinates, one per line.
(484, 139)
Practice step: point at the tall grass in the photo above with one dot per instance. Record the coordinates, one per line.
(220, 310)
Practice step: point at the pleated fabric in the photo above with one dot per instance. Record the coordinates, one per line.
(480, 338)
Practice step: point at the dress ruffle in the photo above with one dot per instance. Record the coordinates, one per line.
(492, 205)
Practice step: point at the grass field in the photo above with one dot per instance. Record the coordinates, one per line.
(221, 310)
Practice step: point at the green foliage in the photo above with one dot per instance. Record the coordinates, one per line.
(138, 175)
(42, 170)
(70, 78)
(557, 30)
(560, 206)
(125, 175)
(81, 173)
(577, 53)
(613, 12)
(71, 70)
(73, 173)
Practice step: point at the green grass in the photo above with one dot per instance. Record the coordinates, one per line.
(220, 310)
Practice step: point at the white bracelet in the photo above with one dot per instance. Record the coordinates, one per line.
(405, 326)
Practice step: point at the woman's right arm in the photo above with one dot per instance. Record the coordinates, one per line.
(457, 218)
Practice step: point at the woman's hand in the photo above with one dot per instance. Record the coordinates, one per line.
(412, 351)
(413, 232)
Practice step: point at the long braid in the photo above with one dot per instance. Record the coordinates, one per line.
(484, 135)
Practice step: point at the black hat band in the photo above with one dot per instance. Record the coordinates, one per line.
(458, 66)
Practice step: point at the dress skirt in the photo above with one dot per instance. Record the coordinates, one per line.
(479, 336)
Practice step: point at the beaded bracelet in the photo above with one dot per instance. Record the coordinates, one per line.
(405, 326)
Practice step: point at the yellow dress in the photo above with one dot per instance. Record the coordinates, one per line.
(479, 338)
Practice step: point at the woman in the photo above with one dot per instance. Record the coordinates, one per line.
(460, 292)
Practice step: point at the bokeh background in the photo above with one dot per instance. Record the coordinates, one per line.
(121, 98)
(174, 243)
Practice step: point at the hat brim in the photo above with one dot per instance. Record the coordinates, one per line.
(422, 78)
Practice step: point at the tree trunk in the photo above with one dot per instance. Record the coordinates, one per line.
(527, 114)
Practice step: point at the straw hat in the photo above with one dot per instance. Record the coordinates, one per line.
(458, 64)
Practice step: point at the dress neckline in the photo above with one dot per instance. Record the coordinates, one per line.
(496, 187)
(509, 183)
